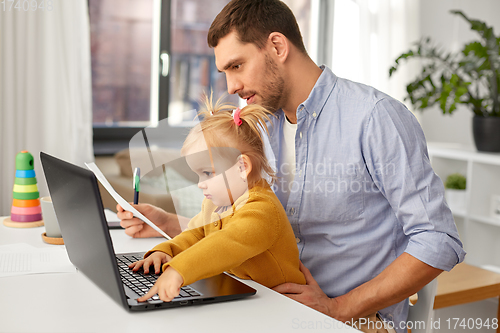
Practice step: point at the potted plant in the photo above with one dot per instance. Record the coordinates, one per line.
(455, 191)
(470, 77)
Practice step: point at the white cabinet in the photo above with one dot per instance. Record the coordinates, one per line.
(478, 227)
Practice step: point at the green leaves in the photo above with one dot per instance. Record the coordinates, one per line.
(484, 30)
(470, 77)
(456, 181)
(453, 90)
(403, 56)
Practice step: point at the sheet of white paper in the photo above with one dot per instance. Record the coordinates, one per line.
(118, 198)
(23, 259)
(17, 247)
(111, 216)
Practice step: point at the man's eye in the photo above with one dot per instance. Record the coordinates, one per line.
(236, 66)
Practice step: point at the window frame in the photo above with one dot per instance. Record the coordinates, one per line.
(109, 140)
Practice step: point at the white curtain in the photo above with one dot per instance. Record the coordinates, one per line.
(368, 35)
(45, 87)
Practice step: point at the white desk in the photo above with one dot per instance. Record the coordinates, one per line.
(39, 303)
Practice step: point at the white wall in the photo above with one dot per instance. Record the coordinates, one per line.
(452, 32)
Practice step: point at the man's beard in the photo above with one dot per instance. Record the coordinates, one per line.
(273, 89)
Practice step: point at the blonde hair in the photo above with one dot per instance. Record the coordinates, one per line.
(219, 130)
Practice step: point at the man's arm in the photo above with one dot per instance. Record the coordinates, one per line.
(401, 279)
(393, 137)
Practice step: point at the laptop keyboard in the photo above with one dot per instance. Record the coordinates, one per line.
(140, 282)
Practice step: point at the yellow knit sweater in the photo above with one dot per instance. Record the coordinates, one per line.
(253, 240)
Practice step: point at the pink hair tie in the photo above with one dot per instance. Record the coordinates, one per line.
(236, 116)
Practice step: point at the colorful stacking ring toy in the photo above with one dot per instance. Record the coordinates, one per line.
(26, 211)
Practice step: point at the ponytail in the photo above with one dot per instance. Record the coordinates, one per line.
(219, 129)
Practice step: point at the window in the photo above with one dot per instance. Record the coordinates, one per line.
(150, 61)
(121, 43)
(193, 71)
(302, 10)
(121, 55)
(368, 36)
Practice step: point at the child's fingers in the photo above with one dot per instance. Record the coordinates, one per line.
(145, 265)
(135, 265)
(173, 291)
(168, 294)
(162, 293)
(157, 264)
(149, 294)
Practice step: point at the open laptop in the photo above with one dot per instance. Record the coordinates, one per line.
(78, 206)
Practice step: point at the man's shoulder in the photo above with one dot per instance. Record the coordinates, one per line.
(362, 101)
(351, 91)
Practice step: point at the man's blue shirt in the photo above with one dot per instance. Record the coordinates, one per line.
(364, 190)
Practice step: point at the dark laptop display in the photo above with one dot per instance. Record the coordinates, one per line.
(78, 206)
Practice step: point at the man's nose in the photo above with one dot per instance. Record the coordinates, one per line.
(233, 84)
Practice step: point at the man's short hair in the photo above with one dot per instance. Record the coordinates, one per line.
(253, 21)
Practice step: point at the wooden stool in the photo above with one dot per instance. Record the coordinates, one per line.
(466, 284)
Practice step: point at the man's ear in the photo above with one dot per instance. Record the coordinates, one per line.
(244, 165)
(279, 45)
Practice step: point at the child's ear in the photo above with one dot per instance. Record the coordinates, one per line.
(245, 166)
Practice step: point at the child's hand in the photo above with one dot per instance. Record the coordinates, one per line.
(157, 259)
(167, 286)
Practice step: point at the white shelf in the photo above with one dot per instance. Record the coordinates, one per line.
(478, 230)
(463, 153)
(459, 213)
(486, 219)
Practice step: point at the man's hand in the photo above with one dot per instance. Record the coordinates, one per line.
(136, 228)
(167, 286)
(402, 278)
(309, 294)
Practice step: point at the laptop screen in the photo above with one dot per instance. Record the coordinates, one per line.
(79, 211)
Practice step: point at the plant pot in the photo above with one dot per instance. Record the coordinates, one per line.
(455, 199)
(486, 132)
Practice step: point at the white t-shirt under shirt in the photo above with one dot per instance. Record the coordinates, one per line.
(288, 157)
